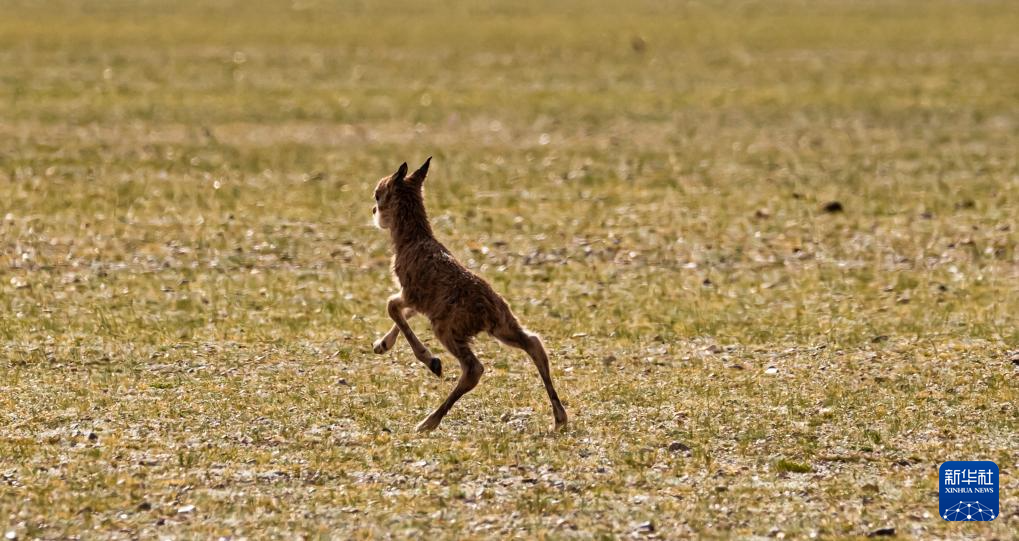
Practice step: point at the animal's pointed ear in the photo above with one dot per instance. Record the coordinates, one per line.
(401, 172)
(422, 172)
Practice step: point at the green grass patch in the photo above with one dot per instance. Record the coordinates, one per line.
(190, 284)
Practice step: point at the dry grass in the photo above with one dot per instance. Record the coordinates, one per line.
(189, 283)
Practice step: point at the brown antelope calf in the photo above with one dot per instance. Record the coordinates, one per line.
(459, 303)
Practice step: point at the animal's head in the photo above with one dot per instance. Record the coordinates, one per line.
(397, 191)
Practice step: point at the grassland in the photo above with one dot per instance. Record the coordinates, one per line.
(190, 285)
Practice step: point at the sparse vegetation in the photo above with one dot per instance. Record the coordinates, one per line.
(770, 246)
(784, 465)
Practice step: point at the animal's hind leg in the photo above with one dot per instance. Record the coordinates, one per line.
(471, 370)
(396, 307)
(513, 335)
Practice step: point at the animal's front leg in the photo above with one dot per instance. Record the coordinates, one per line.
(387, 342)
(396, 307)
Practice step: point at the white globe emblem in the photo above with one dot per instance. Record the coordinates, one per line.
(968, 511)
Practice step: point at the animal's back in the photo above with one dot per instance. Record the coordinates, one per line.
(437, 285)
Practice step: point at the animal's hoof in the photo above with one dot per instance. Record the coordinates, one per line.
(428, 425)
(379, 346)
(435, 365)
(560, 421)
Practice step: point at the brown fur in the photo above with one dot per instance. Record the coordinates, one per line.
(459, 303)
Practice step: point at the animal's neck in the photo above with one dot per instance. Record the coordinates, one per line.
(411, 225)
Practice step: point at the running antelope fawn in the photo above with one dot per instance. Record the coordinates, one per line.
(458, 303)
